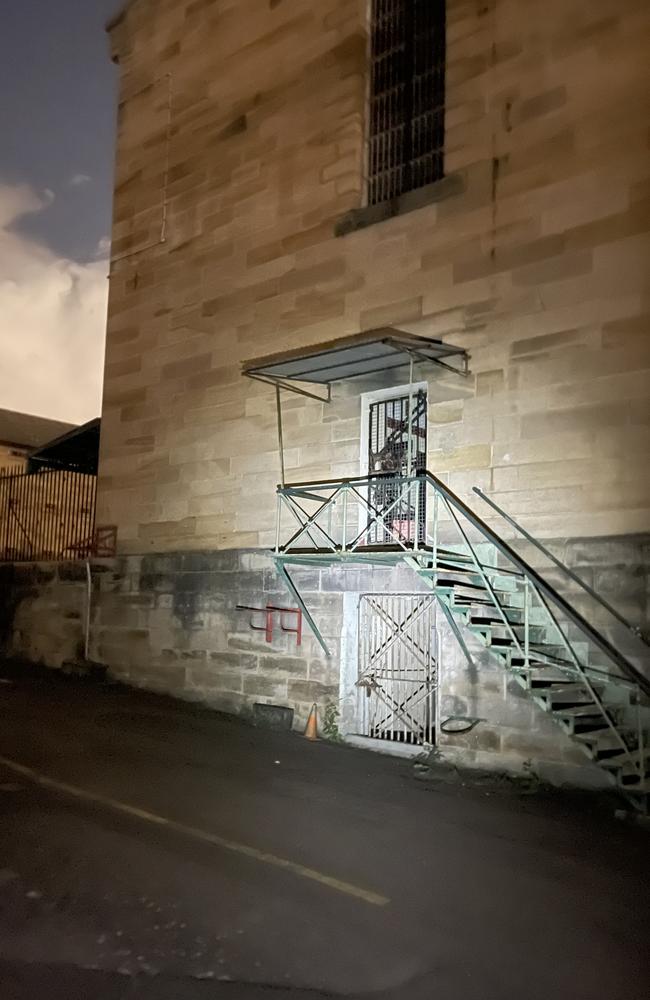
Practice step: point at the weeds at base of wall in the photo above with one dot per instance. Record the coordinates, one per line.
(330, 727)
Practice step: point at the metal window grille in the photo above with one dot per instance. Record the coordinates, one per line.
(46, 515)
(388, 446)
(407, 96)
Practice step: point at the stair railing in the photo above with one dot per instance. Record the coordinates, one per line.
(634, 629)
(540, 584)
(526, 577)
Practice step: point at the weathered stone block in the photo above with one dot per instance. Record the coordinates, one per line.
(243, 661)
(312, 691)
(257, 686)
(214, 679)
(294, 665)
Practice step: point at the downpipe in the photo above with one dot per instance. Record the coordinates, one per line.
(89, 586)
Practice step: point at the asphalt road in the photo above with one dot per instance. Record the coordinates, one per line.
(153, 849)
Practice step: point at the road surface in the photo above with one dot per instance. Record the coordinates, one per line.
(153, 849)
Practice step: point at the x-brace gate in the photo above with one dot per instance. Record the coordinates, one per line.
(397, 667)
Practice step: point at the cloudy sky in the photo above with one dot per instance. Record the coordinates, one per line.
(57, 118)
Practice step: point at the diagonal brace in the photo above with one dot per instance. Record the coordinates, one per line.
(282, 570)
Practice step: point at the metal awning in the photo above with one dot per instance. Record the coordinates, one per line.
(368, 353)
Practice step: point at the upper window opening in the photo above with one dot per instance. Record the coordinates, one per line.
(407, 97)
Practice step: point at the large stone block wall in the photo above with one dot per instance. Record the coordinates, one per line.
(43, 611)
(240, 149)
(170, 622)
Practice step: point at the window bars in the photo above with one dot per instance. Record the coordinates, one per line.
(407, 95)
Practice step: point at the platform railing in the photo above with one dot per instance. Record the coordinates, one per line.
(345, 516)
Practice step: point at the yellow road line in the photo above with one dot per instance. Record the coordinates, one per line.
(376, 899)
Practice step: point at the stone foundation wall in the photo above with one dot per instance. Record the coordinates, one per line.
(178, 623)
(42, 611)
(171, 623)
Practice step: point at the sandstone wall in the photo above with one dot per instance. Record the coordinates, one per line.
(171, 623)
(240, 154)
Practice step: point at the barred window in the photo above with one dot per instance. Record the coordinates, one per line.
(407, 95)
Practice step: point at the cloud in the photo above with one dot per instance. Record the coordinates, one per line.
(52, 321)
(103, 248)
(78, 180)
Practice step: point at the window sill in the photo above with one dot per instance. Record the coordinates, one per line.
(359, 218)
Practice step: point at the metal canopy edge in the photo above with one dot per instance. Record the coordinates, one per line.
(361, 354)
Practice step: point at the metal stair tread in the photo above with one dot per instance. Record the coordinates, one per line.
(620, 759)
(578, 711)
(573, 695)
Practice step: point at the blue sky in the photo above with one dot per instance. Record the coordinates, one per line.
(57, 116)
(57, 123)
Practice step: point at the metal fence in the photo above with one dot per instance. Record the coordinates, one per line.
(46, 515)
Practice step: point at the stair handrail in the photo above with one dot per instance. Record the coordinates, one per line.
(634, 629)
(538, 581)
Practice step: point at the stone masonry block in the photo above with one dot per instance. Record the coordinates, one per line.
(295, 665)
(215, 679)
(255, 685)
(234, 660)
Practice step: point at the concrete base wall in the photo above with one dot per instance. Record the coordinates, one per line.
(172, 623)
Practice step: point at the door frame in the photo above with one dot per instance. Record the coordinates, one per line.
(435, 654)
(377, 396)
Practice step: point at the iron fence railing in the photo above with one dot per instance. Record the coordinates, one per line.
(46, 515)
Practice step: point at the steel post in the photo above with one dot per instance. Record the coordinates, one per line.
(416, 540)
(526, 622)
(278, 404)
(436, 504)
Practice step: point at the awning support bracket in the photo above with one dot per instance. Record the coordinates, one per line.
(464, 371)
(282, 384)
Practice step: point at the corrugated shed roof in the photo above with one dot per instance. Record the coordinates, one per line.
(78, 449)
(28, 431)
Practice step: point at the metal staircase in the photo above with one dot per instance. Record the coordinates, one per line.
(490, 596)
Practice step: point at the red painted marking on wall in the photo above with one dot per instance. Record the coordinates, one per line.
(269, 612)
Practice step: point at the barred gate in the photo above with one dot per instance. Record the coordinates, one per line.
(48, 515)
(397, 667)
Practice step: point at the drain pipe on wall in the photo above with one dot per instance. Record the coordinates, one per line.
(89, 585)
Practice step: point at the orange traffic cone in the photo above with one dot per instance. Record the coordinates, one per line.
(311, 729)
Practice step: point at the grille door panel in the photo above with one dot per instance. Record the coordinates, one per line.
(389, 428)
(397, 668)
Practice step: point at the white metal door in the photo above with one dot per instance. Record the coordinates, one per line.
(397, 667)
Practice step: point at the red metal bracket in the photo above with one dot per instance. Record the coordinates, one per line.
(269, 611)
